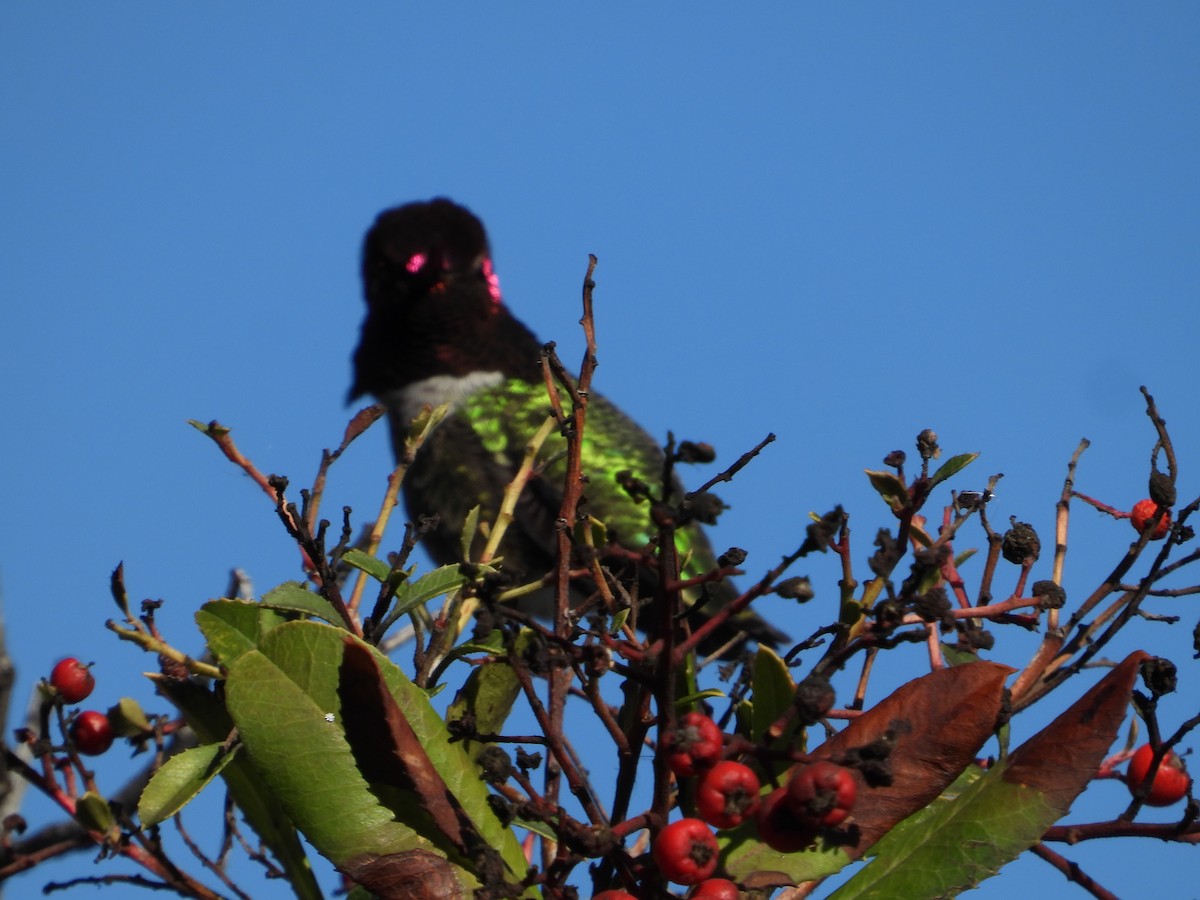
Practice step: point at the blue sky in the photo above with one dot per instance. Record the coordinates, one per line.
(839, 224)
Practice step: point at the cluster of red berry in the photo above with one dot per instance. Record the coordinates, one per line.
(90, 731)
(818, 795)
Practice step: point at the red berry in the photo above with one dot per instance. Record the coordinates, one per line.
(686, 851)
(822, 793)
(694, 744)
(1170, 783)
(727, 794)
(72, 679)
(613, 895)
(781, 829)
(91, 732)
(1143, 511)
(715, 889)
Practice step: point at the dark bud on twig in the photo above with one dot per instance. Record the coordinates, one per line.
(889, 614)
(1160, 676)
(663, 515)
(502, 808)
(14, 823)
(798, 588)
(536, 655)
(895, 459)
(1196, 640)
(927, 445)
(971, 500)
(496, 764)
(634, 487)
(1021, 543)
(885, 558)
(704, 508)
(1052, 595)
(979, 638)
(597, 659)
(814, 698)
(485, 623)
(933, 606)
(732, 557)
(695, 453)
(527, 760)
(462, 728)
(819, 535)
(1162, 488)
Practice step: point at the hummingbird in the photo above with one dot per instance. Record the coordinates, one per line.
(437, 331)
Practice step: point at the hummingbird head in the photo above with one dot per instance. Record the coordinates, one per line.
(433, 301)
(427, 249)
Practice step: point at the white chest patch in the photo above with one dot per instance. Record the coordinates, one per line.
(436, 390)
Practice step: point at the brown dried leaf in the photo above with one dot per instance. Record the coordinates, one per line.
(363, 419)
(413, 875)
(1061, 759)
(386, 749)
(938, 723)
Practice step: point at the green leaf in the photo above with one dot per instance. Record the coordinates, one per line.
(954, 845)
(890, 488)
(376, 568)
(470, 526)
(93, 812)
(773, 691)
(437, 583)
(127, 718)
(180, 779)
(745, 856)
(488, 697)
(305, 761)
(209, 719)
(689, 701)
(283, 698)
(231, 627)
(952, 466)
(292, 596)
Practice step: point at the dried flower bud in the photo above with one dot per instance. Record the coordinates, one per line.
(933, 605)
(597, 659)
(527, 760)
(885, 558)
(734, 556)
(895, 459)
(634, 487)
(979, 638)
(798, 588)
(663, 515)
(814, 698)
(1162, 488)
(14, 822)
(704, 508)
(693, 453)
(927, 444)
(1021, 543)
(502, 808)
(1052, 595)
(1160, 676)
(496, 764)
(889, 614)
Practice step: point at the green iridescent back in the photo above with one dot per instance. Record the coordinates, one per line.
(507, 416)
